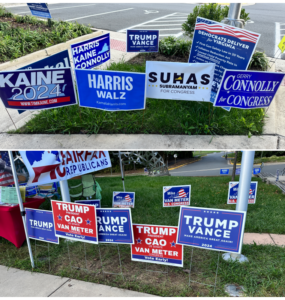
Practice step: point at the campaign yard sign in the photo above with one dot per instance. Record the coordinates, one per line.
(115, 225)
(227, 46)
(75, 221)
(179, 81)
(256, 171)
(123, 199)
(95, 202)
(248, 89)
(176, 195)
(53, 166)
(233, 192)
(142, 40)
(212, 229)
(39, 10)
(91, 53)
(40, 225)
(37, 89)
(238, 171)
(156, 244)
(224, 171)
(111, 90)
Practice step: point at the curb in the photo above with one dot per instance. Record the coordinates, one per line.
(185, 164)
(231, 163)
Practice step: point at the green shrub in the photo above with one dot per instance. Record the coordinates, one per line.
(172, 46)
(212, 11)
(259, 61)
(5, 13)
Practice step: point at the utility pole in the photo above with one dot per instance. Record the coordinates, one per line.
(233, 18)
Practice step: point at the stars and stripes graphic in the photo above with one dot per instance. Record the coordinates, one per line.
(182, 193)
(128, 198)
(6, 175)
(250, 191)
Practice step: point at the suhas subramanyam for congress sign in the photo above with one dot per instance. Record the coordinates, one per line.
(212, 229)
(37, 89)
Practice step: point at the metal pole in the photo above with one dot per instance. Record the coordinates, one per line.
(64, 191)
(122, 173)
(233, 18)
(22, 210)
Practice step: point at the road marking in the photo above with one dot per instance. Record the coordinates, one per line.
(201, 170)
(146, 12)
(110, 12)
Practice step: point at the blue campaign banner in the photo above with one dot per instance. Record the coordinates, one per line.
(39, 10)
(227, 46)
(111, 90)
(237, 171)
(95, 202)
(256, 171)
(37, 88)
(224, 171)
(40, 225)
(123, 199)
(176, 195)
(248, 89)
(233, 192)
(115, 225)
(91, 53)
(142, 40)
(212, 229)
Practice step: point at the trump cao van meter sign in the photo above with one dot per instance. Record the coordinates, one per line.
(176, 195)
(233, 192)
(213, 229)
(157, 244)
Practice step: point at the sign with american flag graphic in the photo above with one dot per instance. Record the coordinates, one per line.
(233, 192)
(176, 195)
(6, 175)
(123, 199)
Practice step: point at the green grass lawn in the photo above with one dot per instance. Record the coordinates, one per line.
(263, 276)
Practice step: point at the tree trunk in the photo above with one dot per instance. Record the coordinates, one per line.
(234, 166)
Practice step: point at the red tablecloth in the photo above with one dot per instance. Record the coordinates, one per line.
(11, 223)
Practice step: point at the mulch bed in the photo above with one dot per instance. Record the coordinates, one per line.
(143, 57)
(14, 24)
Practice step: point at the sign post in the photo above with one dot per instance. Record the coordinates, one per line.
(121, 167)
(64, 191)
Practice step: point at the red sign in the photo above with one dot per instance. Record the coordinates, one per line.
(75, 221)
(157, 244)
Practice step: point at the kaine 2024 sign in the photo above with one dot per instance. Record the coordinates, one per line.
(39, 10)
(213, 229)
(91, 53)
(115, 225)
(248, 89)
(37, 89)
(75, 221)
(179, 81)
(111, 90)
(157, 244)
(226, 46)
(40, 225)
(123, 199)
(176, 195)
(142, 40)
(233, 192)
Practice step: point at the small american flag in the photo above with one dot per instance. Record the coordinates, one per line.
(128, 198)
(250, 191)
(6, 178)
(182, 193)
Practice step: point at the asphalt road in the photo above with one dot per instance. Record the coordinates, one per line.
(167, 17)
(211, 164)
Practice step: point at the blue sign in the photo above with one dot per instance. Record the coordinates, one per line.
(111, 90)
(115, 225)
(233, 192)
(30, 190)
(91, 53)
(39, 10)
(142, 40)
(256, 171)
(37, 89)
(40, 225)
(96, 202)
(212, 229)
(176, 195)
(237, 171)
(123, 199)
(248, 89)
(224, 171)
(227, 46)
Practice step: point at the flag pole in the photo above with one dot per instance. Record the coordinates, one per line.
(22, 210)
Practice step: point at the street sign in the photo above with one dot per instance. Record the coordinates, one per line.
(256, 171)
(233, 192)
(176, 195)
(123, 199)
(212, 229)
(142, 40)
(224, 171)
(39, 10)
(281, 45)
(75, 221)
(156, 244)
(91, 53)
(115, 225)
(95, 202)
(40, 225)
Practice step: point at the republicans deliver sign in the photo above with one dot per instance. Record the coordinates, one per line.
(37, 89)
(179, 81)
(52, 166)
(124, 199)
(233, 192)
(75, 221)
(157, 244)
(176, 195)
(213, 229)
